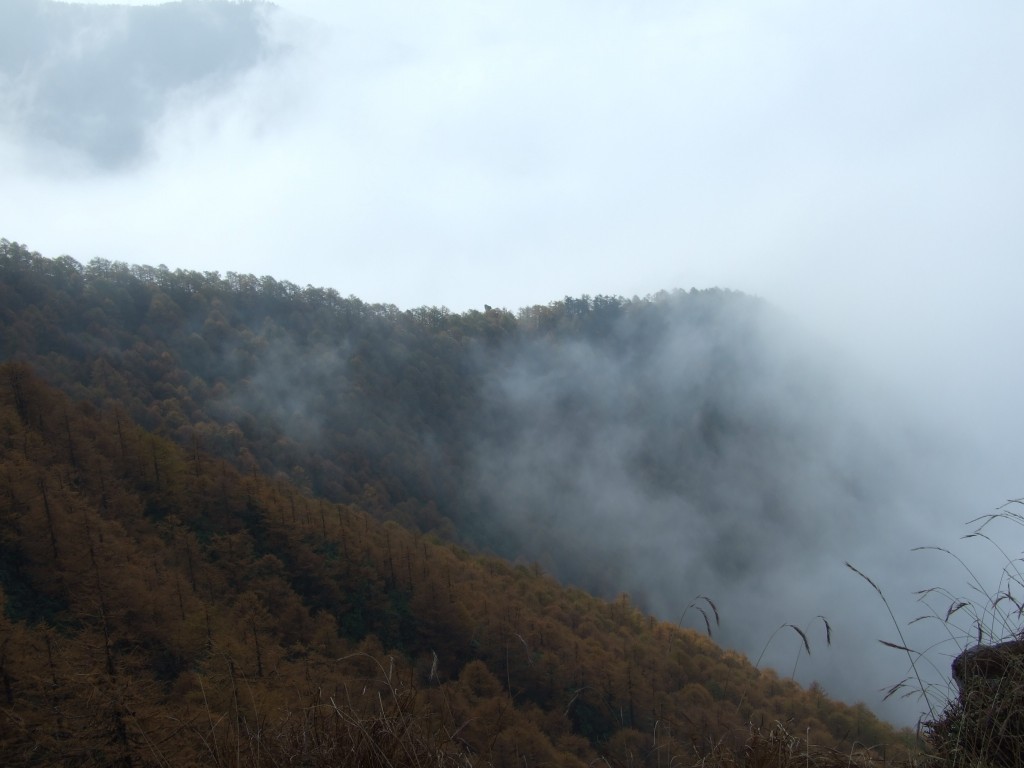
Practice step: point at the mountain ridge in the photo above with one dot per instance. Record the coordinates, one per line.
(563, 435)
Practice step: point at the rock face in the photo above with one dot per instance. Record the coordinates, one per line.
(987, 719)
(985, 664)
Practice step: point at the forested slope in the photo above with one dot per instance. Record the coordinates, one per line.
(662, 447)
(162, 607)
(259, 371)
(510, 432)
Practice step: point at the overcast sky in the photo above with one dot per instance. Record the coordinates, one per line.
(859, 165)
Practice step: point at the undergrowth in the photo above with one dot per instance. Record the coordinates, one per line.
(385, 725)
(981, 723)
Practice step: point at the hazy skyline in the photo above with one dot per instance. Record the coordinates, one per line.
(859, 166)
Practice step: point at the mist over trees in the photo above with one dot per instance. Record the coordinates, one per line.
(669, 446)
(217, 481)
(188, 572)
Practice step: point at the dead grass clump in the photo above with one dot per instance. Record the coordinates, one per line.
(327, 735)
(985, 722)
(983, 725)
(779, 747)
(388, 724)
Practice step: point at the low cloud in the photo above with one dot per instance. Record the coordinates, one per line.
(720, 454)
(837, 160)
(91, 82)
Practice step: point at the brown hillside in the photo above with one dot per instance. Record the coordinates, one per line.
(161, 608)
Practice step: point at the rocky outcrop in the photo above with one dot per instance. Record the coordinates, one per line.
(983, 665)
(986, 721)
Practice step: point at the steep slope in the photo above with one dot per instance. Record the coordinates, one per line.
(162, 608)
(665, 447)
